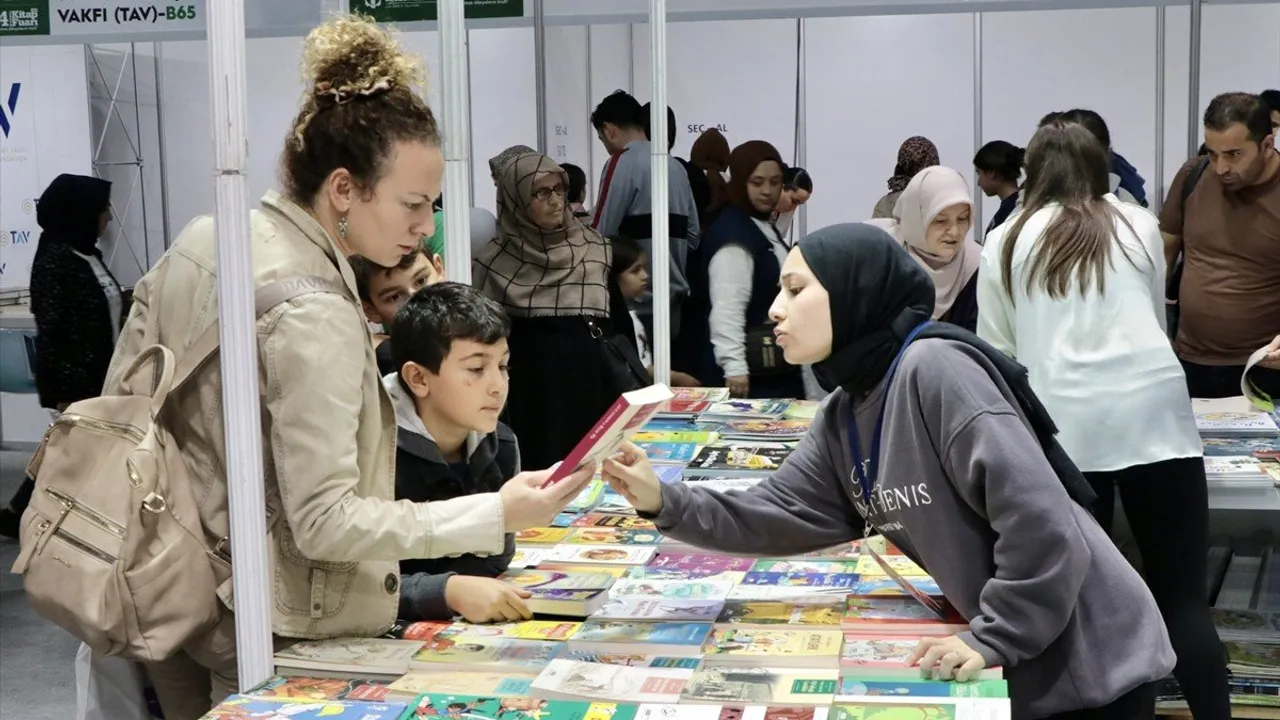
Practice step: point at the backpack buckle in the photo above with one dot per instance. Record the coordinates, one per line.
(154, 504)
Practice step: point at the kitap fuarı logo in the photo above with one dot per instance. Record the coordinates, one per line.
(10, 108)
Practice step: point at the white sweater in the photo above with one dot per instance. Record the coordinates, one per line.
(1102, 364)
(730, 273)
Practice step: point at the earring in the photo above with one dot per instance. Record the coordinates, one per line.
(342, 228)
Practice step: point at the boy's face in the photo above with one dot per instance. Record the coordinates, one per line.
(471, 388)
(633, 281)
(389, 290)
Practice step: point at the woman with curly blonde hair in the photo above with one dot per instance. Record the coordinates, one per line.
(360, 168)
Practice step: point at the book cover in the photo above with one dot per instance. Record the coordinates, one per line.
(565, 678)
(442, 706)
(616, 426)
(377, 655)
(782, 614)
(1236, 423)
(527, 630)
(485, 652)
(586, 499)
(687, 634)
(527, 557)
(661, 424)
(423, 630)
(761, 686)
(1259, 447)
(743, 409)
(804, 567)
(632, 659)
(891, 708)
(777, 430)
(738, 458)
(602, 554)
(497, 684)
(874, 651)
(705, 394)
(669, 452)
(813, 648)
(612, 536)
(547, 579)
(659, 609)
(698, 562)
(803, 410)
(316, 689)
(611, 503)
(240, 707)
(922, 688)
(803, 580)
(628, 522)
(901, 564)
(886, 612)
(696, 437)
(542, 535)
(671, 589)
(888, 587)
(787, 593)
(649, 572)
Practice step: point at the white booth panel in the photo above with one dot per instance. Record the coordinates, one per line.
(872, 83)
(1240, 51)
(1102, 60)
(611, 61)
(503, 101)
(570, 137)
(738, 76)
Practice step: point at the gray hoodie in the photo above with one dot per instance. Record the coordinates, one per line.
(964, 489)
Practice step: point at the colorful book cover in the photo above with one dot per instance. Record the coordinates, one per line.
(614, 504)
(423, 630)
(787, 593)
(893, 709)
(803, 410)
(888, 587)
(620, 631)
(307, 688)
(441, 706)
(612, 536)
(628, 522)
(782, 614)
(649, 572)
(603, 554)
(891, 610)
(711, 564)
(804, 567)
(704, 393)
(610, 682)
(679, 453)
(761, 686)
(751, 644)
(372, 654)
(542, 535)
(675, 425)
(1235, 446)
(766, 429)
(901, 564)
(465, 683)
(527, 630)
(671, 589)
(805, 580)
(739, 458)
(696, 437)
(244, 707)
(586, 499)
(544, 579)
(686, 407)
(523, 655)
(749, 409)
(632, 659)
(618, 423)
(1251, 423)
(878, 652)
(923, 688)
(527, 557)
(658, 609)
(843, 551)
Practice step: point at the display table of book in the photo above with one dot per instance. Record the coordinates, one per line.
(631, 625)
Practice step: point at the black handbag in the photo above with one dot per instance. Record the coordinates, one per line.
(764, 357)
(621, 360)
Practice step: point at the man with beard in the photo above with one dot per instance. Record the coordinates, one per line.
(1228, 234)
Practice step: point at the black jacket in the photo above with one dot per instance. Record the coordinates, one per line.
(74, 326)
(423, 475)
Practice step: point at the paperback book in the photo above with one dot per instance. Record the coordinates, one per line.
(800, 647)
(566, 679)
(666, 639)
(721, 685)
(659, 609)
(616, 426)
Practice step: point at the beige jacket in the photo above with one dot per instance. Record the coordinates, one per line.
(328, 431)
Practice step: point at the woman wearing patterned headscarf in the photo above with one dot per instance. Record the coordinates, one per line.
(915, 154)
(550, 272)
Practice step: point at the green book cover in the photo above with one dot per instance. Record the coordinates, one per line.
(880, 687)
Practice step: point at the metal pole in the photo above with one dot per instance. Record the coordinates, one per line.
(802, 128)
(977, 123)
(540, 71)
(454, 64)
(157, 57)
(1193, 83)
(631, 60)
(142, 174)
(591, 147)
(1158, 201)
(471, 146)
(241, 412)
(661, 248)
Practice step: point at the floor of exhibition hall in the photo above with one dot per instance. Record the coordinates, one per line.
(37, 658)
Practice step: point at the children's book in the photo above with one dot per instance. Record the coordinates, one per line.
(569, 680)
(527, 630)
(801, 647)
(803, 410)
(1263, 448)
(781, 615)
(615, 427)
(888, 587)
(627, 522)
(901, 564)
(307, 688)
(241, 707)
(562, 593)
(542, 535)
(804, 580)
(721, 685)
(615, 571)
(527, 556)
(667, 639)
(602, 554)
(640, 660)
(488, 684)
(612, 536)
(699, 562)
(737, 460)
(891, 708)
(850, 684)
(878, 657)
(671, 589)
(611, 503)
(764, 430)
(804, 567)
(742, 409)
(891, 571)
(718, 483)
(799, 594)
(899, 616)
(586, 499)
(423, 630)
(442, 706)
(669, 452)
(659, 609)
(649, 572)
(1236, 423)
(648, 434)
(484, 654)
(357, 656)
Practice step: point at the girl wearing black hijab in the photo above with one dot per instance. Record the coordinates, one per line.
(77, 304)
(935, 440)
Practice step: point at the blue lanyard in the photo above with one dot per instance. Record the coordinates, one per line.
(868, 475)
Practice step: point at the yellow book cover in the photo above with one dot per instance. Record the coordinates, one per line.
(528, 630)
(613, 536)
(543, 535)
(782, 613)
(901, 564)
(618, 572)
(748, 644)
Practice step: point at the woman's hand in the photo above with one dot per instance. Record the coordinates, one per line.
(526, 504)
(631, 476)
(1272, 358)
(948, 658)
(739, 386)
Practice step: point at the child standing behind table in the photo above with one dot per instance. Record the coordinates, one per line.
(383, 291)
(450, 344)
(632, 278)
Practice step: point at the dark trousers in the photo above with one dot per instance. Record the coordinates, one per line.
(1137, 704)
(1167, 506)
(1219, 381)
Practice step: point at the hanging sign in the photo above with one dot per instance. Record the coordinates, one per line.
(417, 10)
(61, 18)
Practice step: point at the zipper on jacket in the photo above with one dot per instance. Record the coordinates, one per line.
(102, 426)
(84, 547)
(85, 512)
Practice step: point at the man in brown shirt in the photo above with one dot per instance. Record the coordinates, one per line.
(1229, 237)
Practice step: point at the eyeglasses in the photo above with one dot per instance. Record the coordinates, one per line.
(544, 194)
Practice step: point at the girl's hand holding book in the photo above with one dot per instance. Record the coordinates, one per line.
(631, 476)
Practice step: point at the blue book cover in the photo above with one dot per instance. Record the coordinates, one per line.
(669, 452)
(690, 634)
(783, 579)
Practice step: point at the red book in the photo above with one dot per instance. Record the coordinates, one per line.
(621, 421)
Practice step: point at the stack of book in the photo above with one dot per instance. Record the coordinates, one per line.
(630, 624)
(1241, 443)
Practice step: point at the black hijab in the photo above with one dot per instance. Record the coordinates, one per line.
(70, 211)
(878, 296)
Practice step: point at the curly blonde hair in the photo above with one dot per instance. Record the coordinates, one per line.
(363, 94)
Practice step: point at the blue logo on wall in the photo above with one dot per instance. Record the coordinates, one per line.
(10, 107)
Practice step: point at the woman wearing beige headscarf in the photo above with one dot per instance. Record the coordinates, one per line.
(550, 272)
(932, 220)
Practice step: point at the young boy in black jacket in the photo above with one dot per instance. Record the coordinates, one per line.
(449, 346)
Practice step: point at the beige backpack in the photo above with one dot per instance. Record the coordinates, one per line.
(113, 549)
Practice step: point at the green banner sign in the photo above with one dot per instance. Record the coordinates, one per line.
(392, 11)
(94, 17)
(24, 17)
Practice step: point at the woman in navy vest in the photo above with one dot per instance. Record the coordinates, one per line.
(736, 279)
